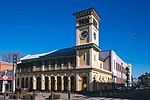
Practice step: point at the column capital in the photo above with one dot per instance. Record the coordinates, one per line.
(69, 65)
(55, 78)
(42, 67)
(69, 78)
(62, 65)
(33, 68)
(62, 77)
(55, 66)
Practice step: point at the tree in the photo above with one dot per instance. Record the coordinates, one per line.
(8, 56)
(144, 80)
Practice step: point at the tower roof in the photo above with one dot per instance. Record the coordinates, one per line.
(90, 11)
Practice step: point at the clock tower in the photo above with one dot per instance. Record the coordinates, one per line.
(87, 38)
(87, 27)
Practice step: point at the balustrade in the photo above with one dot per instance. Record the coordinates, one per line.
(48, 68)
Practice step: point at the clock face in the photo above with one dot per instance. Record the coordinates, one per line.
(84, 34)
(94, 36)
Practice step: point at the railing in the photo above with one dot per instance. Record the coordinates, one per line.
(47, 68)
(37, 69)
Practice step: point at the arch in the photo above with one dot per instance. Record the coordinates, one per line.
(38, 83)
(59, 83)
(31, 84)
(52, 83)
(18, 79)
(72, 74)
(65, 83)
(22, 82)
(73, 83)
(94, 84)
(46, 83)
(84, 75)
(26, 82)
(84, 83)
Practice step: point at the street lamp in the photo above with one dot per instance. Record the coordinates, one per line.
(14, 64)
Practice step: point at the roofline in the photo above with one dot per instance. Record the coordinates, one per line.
(84, 10)
(112, 51)
(26, 57)
(105, 50)
(6, 63)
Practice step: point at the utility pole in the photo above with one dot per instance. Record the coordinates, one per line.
(14, 65)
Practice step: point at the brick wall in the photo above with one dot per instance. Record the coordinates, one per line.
(5, 66)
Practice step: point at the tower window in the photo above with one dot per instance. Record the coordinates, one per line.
(94, 58)
(84, 57)
(94, 23)
(83, 21)
(100, 65)
(114, 64)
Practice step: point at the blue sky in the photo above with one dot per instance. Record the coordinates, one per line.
(37, 26)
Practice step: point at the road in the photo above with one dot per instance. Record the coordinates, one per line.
(130, 95)
(135, 95)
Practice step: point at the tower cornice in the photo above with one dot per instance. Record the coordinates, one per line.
(90, 11)
(87, 46)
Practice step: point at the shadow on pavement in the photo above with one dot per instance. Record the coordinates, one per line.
(134, 95)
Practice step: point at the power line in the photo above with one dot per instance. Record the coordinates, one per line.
(135, 35)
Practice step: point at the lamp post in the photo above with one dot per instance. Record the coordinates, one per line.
(14, 64)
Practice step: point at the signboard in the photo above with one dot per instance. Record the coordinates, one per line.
(5, 77)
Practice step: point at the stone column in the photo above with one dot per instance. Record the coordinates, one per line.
(90, 81)
(62, 65)
(62, 83)
(69, 65)
(98, 82)
(69, 84)
(42, 68)
(77, 82)
(55, 67)
(25, 82)
(42, 82)
(49, 67)
(16, 85)
(28, 83)
(49, 83)
(19, 70)
(33, 68)
(34, 83)
(20, 79)
(55, 83)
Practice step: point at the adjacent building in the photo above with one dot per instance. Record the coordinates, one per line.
(78, 68)
(6, 74)
(121, 70)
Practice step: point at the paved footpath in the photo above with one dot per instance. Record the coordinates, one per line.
(64, 96)
(130, 95)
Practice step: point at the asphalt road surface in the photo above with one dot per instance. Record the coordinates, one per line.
(134, 95)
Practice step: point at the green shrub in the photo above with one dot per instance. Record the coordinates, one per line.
(28, 96)
(54, 96)
(14, 96)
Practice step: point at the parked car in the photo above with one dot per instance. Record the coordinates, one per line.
(129, 88)
(122, 88)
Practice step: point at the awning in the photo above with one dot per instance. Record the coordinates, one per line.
(8, 79)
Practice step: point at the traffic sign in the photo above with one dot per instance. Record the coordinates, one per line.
(5, 77)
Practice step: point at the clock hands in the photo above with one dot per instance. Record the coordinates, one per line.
(84, 34)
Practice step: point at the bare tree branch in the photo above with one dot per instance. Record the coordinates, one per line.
(7, 56)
